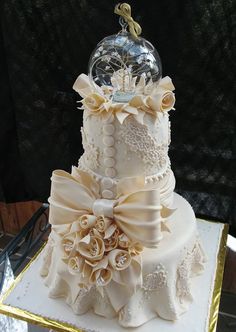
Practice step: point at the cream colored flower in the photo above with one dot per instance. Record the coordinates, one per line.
(139, 102)
(107, 90)
(91, 247)
(83, 232)
(119, 259)
(124, 241)
(112, 241)
(168, 101)
(75, 264)
(94, 102)
(101, 277)
(136, 101)
(135, 249)
(101, 274)
(162, 101)
(102, 223)
(87, 221)
(68, 244)
(78, 266)
(166, 83)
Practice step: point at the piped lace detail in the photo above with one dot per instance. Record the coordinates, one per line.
(137, 137)
(156, 280)
(192, 263)
(91, 153)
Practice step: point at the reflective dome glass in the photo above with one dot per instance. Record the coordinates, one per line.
(120, 63)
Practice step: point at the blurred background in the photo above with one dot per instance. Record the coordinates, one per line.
(45, 45)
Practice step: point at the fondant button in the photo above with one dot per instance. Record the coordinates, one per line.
(108, 140)
(107, 183)
(108, 194)
(109, 152)
(111, 172)
(110, 119)
(109, 162)
(108, 129)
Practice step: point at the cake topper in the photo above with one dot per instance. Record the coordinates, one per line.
(124, 64)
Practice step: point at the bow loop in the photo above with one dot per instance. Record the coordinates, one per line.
(137, 213)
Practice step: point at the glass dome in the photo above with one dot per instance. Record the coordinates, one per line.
(122, 65)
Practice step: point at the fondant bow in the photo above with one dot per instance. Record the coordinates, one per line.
(136, 211)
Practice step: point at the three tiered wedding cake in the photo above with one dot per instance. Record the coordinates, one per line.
(122, 242)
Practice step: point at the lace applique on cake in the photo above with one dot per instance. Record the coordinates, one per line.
(137, 137)
(198, 257)
(91, 153)
(193, 260)
(154, 281)
(183, 280)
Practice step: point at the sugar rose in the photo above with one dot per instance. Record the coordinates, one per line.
(135, 249)
(119, 259)
(168, 101)
(101, 277)
(68, 244)
(124, 241)
(162, 101)
(94, 102)
(112, 241)
(102, 223)
(75, 264)
(87, 221)
(91, 248)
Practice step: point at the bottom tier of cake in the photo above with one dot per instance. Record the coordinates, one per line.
(167, 273)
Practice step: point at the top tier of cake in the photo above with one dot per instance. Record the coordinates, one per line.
(126, 139)
(116, 150)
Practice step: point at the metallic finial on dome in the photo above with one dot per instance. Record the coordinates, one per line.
(123, 24)
(124, 10)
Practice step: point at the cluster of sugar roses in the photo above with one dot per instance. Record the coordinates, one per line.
(148, 98)
(97, 251)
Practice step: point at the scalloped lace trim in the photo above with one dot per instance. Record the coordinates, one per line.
(90, 156)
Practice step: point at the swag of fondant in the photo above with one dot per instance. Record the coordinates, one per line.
(102, 239)
(160, 100)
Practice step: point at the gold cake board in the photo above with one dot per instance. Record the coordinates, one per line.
(27, 298)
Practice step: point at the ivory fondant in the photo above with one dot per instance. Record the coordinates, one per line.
(122, 243)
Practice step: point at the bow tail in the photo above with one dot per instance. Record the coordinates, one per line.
(139, 216)
(146, 233)
(124, 284)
